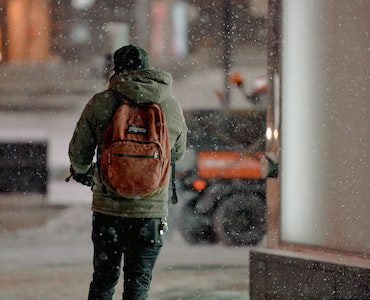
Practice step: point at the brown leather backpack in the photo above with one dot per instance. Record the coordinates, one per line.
(135, 155)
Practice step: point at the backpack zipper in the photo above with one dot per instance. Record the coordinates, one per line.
(155, 155)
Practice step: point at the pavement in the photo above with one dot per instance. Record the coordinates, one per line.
(53, 260)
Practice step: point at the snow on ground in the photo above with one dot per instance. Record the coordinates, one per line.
(57, 257)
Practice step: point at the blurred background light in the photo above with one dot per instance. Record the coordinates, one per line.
(82, 4)
(268, 133)
(80, 33)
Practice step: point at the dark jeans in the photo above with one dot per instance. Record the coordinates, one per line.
(138, 240)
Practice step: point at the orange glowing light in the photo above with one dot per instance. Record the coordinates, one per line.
(236, 78)
(199, 185)
(228, 165)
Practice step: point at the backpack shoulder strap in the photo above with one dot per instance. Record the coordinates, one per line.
(117, 95)
(120, 97)
(174, 198)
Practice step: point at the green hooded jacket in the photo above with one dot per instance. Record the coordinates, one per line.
(142, 86)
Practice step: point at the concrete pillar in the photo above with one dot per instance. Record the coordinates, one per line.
(142, 24)
(17, 17)
(159, 28)
(2, 54)
(326, 124)
(39, 48)
(28, 30)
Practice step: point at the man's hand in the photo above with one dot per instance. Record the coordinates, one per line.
(83, 178)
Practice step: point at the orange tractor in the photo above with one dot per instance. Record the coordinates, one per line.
(228, 192)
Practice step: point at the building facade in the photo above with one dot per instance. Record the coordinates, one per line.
(40, 30)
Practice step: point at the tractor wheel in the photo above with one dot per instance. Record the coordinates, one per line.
(240, 219)
(196, 228)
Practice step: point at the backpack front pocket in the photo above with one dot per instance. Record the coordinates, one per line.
(134, 168)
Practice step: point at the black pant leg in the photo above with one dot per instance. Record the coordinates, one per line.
(107, 256)
(139, 258)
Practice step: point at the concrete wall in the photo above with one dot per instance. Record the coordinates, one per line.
(325, 198)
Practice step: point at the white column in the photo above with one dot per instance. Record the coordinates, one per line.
(326, 124)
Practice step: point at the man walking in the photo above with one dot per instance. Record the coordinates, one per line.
(125, 223)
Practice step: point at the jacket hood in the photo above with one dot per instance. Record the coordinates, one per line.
(143, 86)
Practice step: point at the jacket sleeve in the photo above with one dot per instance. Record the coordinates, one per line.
(82, 146)
(180, 144)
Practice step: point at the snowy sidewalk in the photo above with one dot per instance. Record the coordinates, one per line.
(54, 262)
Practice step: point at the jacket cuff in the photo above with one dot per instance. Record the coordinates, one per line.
(80, 168)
